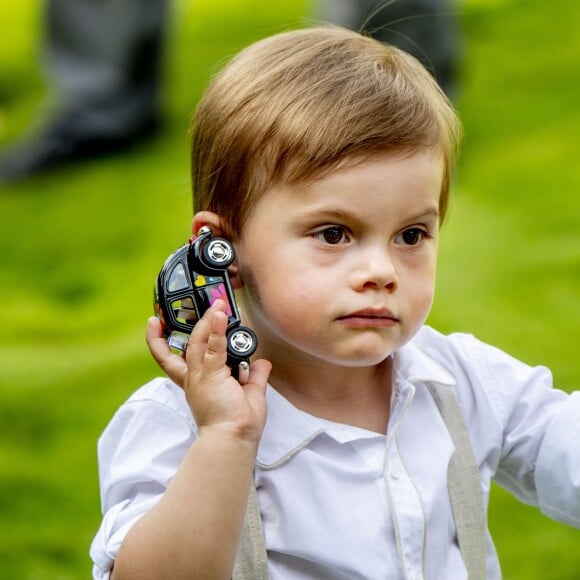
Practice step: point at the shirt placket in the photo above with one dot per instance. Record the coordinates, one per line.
(405, 503)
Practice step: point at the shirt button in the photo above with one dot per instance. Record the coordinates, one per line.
(416, 575)
(394, 471)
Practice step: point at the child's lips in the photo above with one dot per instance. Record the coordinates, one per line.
(370, 317)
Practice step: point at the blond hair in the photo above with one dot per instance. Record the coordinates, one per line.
(293, 106)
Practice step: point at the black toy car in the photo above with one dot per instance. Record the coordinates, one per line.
(190, 281)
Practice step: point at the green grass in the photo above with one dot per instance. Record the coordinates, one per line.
(74, 304)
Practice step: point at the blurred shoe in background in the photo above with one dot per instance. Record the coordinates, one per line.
(427, 29)
(104, 63)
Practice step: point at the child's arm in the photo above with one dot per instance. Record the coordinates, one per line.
(193, 531)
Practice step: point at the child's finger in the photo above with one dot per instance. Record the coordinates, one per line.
(173, 365)
(216, 354)
(205, 337)
(259, 373)
(255, 388)
(156, 342)
(197, 343)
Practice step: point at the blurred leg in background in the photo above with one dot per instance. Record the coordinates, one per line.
(104, 60)
(427, 29)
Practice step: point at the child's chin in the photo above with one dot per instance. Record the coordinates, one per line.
(365, 358)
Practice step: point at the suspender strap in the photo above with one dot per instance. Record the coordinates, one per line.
(251, 558)
(464, 493)
(464, 484)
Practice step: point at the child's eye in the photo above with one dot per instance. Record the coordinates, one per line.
(332, 235)
(412, 236)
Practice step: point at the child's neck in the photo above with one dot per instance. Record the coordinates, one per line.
(360, 397)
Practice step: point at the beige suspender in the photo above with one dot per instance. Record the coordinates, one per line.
(251, 558)
(464, 484)
(464, 493)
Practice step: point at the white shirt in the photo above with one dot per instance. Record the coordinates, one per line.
(338, 502)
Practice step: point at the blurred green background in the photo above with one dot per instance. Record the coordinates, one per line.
(80, 249)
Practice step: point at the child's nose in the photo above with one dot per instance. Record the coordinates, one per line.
(375, 270)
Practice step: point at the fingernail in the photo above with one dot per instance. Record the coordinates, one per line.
(243, 372)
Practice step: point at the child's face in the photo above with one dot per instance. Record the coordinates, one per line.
(342, 270)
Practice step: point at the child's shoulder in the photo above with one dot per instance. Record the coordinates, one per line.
(466, 358)
(483, 376)
(449, 348)
(159, 389)
(160, 393)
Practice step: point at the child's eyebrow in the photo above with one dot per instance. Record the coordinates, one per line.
(341, 215)
(430, 213)
(329, 215)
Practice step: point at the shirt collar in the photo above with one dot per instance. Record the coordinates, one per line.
(414, 365)
(288, 430)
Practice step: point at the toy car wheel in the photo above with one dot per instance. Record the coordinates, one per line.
(218, 253)
(242, 342)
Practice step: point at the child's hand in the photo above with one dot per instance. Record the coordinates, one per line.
(217, 400)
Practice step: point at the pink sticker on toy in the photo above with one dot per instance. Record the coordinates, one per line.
(217, 292)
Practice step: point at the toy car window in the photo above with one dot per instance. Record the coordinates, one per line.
(177, 279)
(210, 293)
(184, 311)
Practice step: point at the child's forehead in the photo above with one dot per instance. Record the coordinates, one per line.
(394, 155)
(362, 185)
(349, 163)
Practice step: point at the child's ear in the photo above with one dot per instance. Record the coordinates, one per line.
(206, 218)
(214, 223)
(236, 280)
